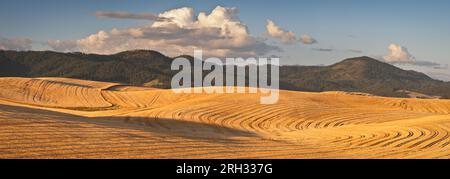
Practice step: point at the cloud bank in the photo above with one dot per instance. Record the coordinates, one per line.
(19, 44)
(62, 46)
(126, 15)
(175, 32)
(306, 39)
(354, 50)
(323, 49)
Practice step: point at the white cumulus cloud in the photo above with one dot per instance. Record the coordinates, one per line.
(399, 54)
(182, 17)
(219, 33)
(279, 33)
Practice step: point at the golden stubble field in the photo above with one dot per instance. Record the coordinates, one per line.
(68, 118)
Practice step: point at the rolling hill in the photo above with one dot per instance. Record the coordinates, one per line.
(67, 118)
(150, 68)
(363, 74)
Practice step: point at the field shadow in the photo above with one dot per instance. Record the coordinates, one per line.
(181, 128)
(160, 127)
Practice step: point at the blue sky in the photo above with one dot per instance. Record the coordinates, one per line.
(344, 27)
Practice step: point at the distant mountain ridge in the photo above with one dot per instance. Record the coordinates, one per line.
(131, 67)
(139, 67)
(363, 74)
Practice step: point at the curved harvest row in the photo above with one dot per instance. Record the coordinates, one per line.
(151, 123)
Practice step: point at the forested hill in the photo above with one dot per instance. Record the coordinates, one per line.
(151, 68)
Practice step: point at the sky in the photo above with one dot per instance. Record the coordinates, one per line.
(411, 34)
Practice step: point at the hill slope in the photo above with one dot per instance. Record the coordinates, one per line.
(363, 74)
(132, 67)
(153, 123)
(142, 67)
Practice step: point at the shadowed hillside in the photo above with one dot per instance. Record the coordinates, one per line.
(150, 68)
(132, 67)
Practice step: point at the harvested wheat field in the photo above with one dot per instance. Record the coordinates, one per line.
(67, 118)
